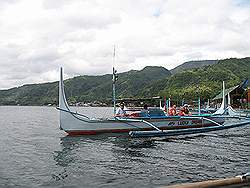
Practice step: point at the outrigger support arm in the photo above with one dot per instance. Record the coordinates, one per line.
(141, 134)
(139, 120)
(150, 124)
(211, 121)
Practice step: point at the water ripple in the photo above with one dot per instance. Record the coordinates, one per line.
(34, 152)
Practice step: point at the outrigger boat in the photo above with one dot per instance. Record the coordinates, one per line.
(227, 110)
(79, 124)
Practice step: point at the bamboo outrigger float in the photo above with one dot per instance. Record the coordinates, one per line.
(238, 181)
(79, 124)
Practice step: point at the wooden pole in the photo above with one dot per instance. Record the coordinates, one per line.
(238, 180)
(113, 84)
(248, 97)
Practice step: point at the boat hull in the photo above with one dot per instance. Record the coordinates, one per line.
(75, 125)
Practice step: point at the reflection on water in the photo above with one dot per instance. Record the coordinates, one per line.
(113, 155)
(121, 145)
(65, 156)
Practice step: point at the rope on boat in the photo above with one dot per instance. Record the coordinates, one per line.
(74, 113)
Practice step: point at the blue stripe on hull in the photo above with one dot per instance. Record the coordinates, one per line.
(137, 134)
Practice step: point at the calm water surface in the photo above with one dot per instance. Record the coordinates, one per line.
(34, 152)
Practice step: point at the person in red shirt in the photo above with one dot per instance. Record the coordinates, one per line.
(172, 111)
(181, 112)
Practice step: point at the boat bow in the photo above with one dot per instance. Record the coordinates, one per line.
(66, 115)
(62, 98)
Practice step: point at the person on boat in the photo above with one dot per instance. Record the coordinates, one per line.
(172, 111)
(181, 112)
(144, 111)
(186, 110)
(121, 112)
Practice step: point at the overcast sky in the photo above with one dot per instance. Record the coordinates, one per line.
(39, 36)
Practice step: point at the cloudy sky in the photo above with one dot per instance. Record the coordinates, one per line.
(39, 36)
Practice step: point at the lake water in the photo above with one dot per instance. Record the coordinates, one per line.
(34, 152)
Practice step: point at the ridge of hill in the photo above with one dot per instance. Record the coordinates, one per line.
(204, 81)
(192, 64)
(84, 88)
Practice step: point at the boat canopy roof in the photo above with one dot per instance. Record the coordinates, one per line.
(243, 86)
(229, 90)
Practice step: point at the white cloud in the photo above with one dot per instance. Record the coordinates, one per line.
(36, 37)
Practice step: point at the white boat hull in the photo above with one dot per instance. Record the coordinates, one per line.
(75, 124)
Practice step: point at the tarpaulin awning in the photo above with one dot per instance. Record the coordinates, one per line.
(229, 90)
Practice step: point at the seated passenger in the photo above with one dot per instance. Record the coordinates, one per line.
(172, 111)
(181, 112)
(186, 110)
(144, 111)
(120, 112)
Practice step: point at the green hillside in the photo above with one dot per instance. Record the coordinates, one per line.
(84, 88)
(150, 81)
(191, 65)
(206, 81)
(32, 94)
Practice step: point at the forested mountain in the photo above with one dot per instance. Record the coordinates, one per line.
(192, 64)
(84, 88)
(205, 81)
